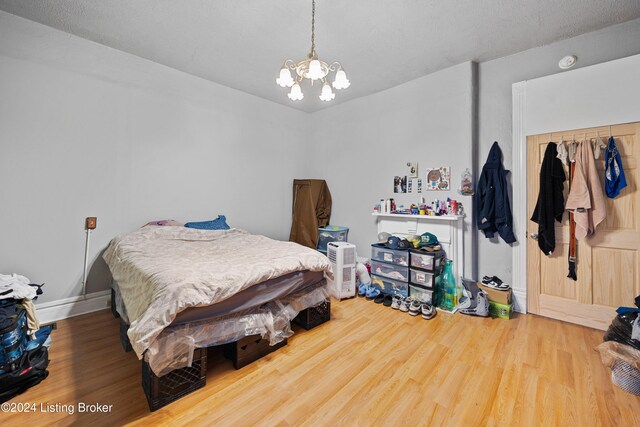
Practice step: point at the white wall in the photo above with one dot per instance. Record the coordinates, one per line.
(359, 146)
(495, 122)
(86, 130)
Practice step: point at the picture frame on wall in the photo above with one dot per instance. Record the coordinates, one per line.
(438, 179)
(399, 184)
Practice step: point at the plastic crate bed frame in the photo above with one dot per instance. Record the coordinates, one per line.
(165, 389)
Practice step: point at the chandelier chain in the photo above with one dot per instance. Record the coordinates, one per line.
(313, 27)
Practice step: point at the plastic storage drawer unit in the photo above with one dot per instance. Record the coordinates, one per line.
(392, 271)
(331, 233)
(431, 261)
(382, 253)
(423, 278)
(390, 286)
(421, 293)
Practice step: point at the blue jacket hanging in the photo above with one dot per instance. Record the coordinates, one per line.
(492, 198)
(614, 174)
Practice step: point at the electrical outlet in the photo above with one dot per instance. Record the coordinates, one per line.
(91, 222)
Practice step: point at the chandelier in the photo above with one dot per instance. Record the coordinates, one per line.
(313, 69)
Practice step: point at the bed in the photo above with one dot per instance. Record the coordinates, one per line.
(180, 289)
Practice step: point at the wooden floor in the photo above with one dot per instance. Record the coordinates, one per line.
(369, 365)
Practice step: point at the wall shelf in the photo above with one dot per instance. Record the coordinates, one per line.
(421, 217)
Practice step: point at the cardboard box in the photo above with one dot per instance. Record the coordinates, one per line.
(502, 297)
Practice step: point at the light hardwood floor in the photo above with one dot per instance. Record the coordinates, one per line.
(369, 365)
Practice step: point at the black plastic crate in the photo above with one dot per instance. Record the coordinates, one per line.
(114, 311)
(161, 391)
(124, 338)
(314, 316)
(249, 349)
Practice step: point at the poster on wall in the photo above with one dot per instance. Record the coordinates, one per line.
(400, 184)
(438, 179)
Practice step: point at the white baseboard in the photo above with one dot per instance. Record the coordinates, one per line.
(69, 307)
(520, 300)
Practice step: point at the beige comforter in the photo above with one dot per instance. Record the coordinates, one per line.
(163, 270)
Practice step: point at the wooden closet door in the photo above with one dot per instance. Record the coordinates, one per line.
(608, 264)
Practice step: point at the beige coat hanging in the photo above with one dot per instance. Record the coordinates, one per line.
(586, 198)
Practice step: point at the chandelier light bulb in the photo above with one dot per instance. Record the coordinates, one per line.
(315, 70)
(327, 94)
(341, 81)
(296, 93)
(285, 79)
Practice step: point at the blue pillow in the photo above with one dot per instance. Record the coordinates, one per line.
(219, 223)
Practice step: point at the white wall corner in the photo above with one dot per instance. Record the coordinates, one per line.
(75, 306)
(519, 255)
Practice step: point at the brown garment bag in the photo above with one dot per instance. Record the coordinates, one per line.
(311, 209)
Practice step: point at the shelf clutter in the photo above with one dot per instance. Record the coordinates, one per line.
(436, 208)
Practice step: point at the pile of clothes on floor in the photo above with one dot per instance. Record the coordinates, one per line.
(621, 349)
(24, 343)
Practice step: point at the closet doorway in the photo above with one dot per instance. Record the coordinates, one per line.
(608, 263)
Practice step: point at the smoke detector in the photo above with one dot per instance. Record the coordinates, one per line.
(568, 62)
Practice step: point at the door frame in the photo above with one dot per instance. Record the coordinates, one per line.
(553, 103)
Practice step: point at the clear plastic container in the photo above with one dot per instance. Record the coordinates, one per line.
(423, 278)
(421, 294)
(331, 233)
(390, 286)
(431, 261)
(382, 253)
(392, 271)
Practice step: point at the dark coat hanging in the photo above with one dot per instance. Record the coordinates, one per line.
(492, 198)
(550, 204)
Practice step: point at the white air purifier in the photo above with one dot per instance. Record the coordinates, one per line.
(343, 259)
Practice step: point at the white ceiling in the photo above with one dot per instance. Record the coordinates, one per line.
(380, 43)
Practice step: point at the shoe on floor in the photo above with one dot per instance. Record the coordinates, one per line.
(464, 301)
(428, 311)
(414, 308)
(406, 303)
(380, 298)
(396, 302)
(372, 293)
(470, 288)
(388, 300)
(481, 307)
(363, 288)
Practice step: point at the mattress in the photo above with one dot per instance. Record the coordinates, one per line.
(252, 297)
(245, 301)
